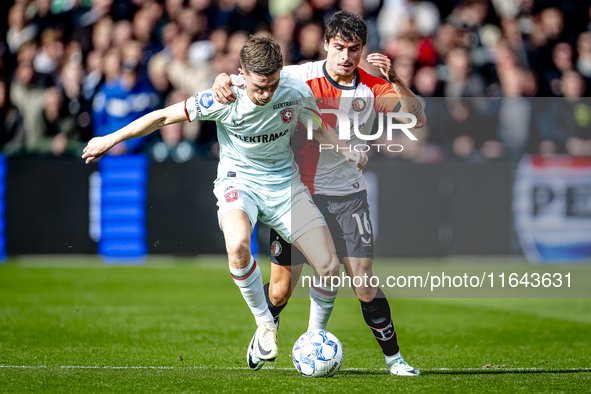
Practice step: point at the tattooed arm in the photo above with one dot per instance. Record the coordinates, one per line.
(408, 101)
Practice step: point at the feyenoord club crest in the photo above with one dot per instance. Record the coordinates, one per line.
(276, 248)
(359, 104)
(231, 195)
(287, 115)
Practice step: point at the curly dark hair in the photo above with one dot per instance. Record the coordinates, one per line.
(348, 25)
(261, 55)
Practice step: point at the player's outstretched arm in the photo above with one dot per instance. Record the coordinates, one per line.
(408, 101)
(221, 88)
(143, 126)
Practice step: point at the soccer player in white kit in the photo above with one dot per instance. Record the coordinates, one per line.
(336, 188)
(257, 174)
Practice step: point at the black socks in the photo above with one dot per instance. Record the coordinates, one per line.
(377, 316)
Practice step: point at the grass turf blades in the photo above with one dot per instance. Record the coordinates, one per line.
(85, 314)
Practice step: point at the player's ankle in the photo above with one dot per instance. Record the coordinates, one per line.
(389, 359)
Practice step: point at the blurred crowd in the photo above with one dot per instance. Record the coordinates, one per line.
(498, 78)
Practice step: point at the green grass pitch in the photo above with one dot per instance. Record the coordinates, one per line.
(81, 326)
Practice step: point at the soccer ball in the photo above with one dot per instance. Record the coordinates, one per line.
(317, 353)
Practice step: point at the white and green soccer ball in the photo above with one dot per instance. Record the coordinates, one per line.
(317, 354)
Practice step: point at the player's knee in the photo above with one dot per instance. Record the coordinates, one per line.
(280, 293)
(238, 253)
(364, 290)
(328, 271)
(365, 293)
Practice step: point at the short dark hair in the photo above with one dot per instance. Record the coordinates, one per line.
(348, 25)
(261, 55)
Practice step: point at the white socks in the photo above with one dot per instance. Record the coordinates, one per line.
(321, 304)
(389, 359)
(250, 282)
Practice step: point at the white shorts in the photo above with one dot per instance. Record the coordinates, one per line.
(288, 209)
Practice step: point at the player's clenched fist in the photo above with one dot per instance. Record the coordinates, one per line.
(359, 158)
(97, 147)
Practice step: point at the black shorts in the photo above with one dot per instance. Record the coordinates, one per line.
(349, 223)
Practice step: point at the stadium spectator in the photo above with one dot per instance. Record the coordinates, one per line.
(50, 54)
(564, 124)
(218, 38)
(27, 95)
(77, 109)
(172, 142)
(101, 35)
(111, 65)
(44, 18)
(158, 76)
(121, 34)
(561, 61)
(393, 18)
(123, 98)
(18, 30)
(461, 81)
(55, 139)
(310, 44)
(94, 76)
(13, 132)
(445, 41)
(182, 74)
(173, 9)
(546, 32)
(428, 86)
(575, 115)
(98, 10)
(283, 30)
(405, 68)
(584, 54)
(169, 31)
(466, 46)
(514, 118)
(513, 37)
(426, 82)
(144, 26)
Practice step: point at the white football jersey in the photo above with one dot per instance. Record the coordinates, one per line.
(255, 140)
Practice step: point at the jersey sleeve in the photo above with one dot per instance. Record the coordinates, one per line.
(386, 99)
(297, 71)
(203, 106)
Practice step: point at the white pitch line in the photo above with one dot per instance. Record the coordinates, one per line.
(289, 369)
